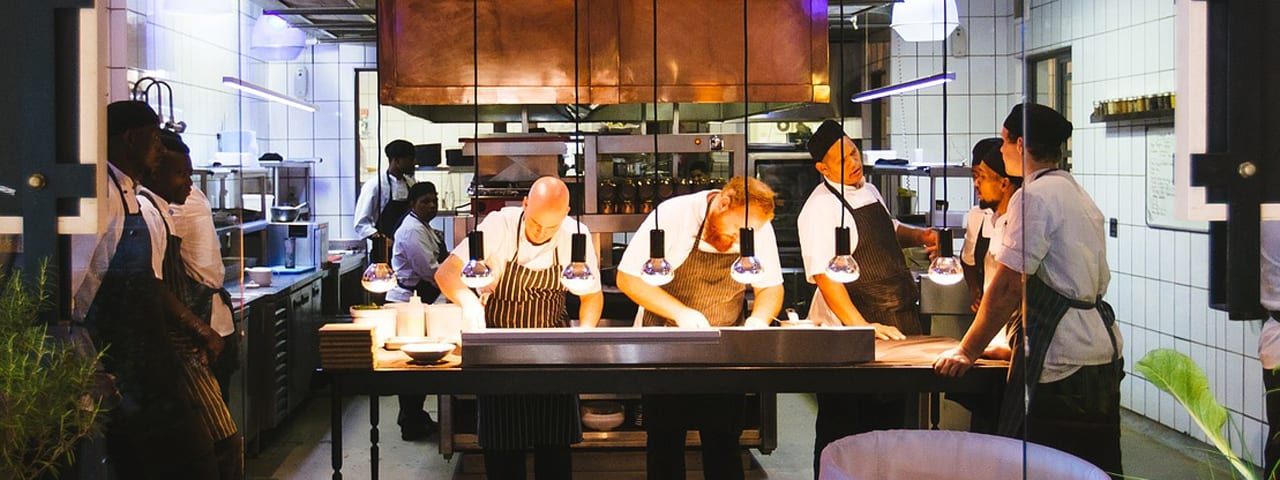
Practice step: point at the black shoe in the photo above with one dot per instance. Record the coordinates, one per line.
(418, 430)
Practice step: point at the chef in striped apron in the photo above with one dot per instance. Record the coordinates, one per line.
(1054, 250)
(169, 183)
(884, 296)
(527, 247)
(701, 244)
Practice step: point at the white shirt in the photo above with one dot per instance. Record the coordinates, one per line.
(367, 210)
(92, 254)
(201, 253)
(681, 217)
(502, 231)
(1269, 340)
(413, 257)
(1055, 232)
(992, 229)
(816, 228)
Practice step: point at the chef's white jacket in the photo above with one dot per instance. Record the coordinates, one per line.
(681, 216)
(502, 229)
(413, 257)
(1056, 232)
(816, 226)
(367, 210)
(193, 223)
(1269, 341)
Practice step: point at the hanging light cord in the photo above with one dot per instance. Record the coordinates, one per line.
(475, 106)
(746, 119)
(946, 203)
(655, 113)
(577, 122)
(840, 110)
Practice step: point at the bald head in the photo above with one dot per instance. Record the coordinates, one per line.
(545, 209)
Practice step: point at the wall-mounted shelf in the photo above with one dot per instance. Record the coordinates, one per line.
(1164, 115)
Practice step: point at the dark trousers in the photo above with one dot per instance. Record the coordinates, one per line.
(226, 364)
(1080, 415)
(1271, 382)
(230, 457)
(411, 411)
(719, 420)
(844, 414)
(552, 462)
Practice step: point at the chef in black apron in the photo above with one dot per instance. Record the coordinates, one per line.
(169, 183)
(701, 244)
(885, 294)
(527, 247)
(1066, 353)
(415, 257)
(156, 431)
(384, 201)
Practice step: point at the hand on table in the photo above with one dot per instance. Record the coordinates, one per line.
(953, 362)
(690, 318)
(887, 332)
(473, 318)
(756, 322)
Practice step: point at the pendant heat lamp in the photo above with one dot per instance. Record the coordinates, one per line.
(476, 273)
(657, 271)
(578, 277)
(843, 268)
(273, 39)
(378, 278)
(945, 270)
(925, 20)
(747, 268)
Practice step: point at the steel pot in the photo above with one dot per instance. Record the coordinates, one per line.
(287, 213)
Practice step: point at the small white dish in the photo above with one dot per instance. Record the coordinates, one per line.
(427, 352)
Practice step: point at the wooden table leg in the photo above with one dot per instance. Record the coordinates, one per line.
(335, 427)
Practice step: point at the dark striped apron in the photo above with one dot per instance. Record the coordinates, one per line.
(703, 283)
(525, 298)
(885, 292)
(197, 379)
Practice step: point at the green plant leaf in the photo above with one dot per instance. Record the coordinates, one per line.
(1178, 375)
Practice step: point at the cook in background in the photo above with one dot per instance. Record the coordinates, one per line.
(994, 188)
(193, 223)
(415, 257)
(1070, 365)
(1269, 340)
(702, 242)
(169, 184)
(155, 431)
(884, 296)
(527, 247)
(383, 201)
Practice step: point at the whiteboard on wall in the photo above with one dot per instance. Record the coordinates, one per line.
(1162, 192)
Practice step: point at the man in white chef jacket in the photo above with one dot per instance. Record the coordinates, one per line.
(702, 241)
(980, 222)
(1055, 242)
(884, 295)
(383, 200)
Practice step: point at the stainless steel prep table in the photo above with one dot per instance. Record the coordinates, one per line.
(904, 366)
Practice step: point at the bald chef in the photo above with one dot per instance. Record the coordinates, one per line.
(527, 247)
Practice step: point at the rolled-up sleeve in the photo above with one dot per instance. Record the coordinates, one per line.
(767, 254)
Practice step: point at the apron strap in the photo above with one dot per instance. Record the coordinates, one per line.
(847, 207)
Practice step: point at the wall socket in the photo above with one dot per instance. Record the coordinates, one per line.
(1115, 227)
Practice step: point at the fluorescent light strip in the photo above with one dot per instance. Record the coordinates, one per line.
(267, 94)
(922, 82)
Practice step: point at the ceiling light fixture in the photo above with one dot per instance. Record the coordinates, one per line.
(925, 20)
(908, 86)
(274, 40)
(268, 94)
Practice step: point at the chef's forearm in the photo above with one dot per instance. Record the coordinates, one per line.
(449, 279)
(838, 301)
(1002, 298)
(654, 299)
(590, 306)
(768, 302)
(178, 314)
(909, 236)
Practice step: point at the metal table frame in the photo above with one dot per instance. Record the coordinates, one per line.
(875, 377)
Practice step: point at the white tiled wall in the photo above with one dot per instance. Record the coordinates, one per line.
(1159, 277)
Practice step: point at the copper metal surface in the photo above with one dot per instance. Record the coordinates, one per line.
(526, 51)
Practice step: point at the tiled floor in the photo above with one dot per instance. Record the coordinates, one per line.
(301, 449)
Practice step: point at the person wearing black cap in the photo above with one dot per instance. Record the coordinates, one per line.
(383, 201)
(155, 431)
(885, 294)
(415, 257)
(1070, 363)
(993, 186)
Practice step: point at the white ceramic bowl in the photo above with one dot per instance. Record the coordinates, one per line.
(427, 352)
(602, 422)
(259, 275)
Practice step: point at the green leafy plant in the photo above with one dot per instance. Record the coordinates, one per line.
(45, 408)
(1178, 375)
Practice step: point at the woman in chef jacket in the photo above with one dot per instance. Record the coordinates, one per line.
(701, 243)
(527, 247)
(384, 201)
(1053, 249)
(884, 295)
